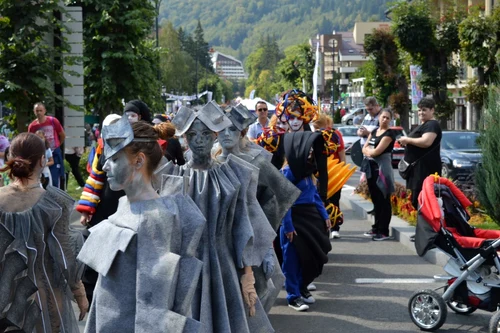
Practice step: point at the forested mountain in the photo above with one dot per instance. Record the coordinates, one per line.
(235, 26)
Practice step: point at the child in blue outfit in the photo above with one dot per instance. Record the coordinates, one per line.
(304, 231)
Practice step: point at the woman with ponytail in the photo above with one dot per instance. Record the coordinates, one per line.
(36, 223)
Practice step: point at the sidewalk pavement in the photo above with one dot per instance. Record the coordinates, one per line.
(400, 229)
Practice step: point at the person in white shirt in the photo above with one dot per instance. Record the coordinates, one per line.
(370, 122)
(256, 129)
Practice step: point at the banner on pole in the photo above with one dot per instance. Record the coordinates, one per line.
(315, 74)
(416, 91)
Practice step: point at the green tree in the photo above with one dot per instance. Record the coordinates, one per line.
(264, 59)
(431, 40)
(175, 63)
(389, 80)
(488, 175)
(121, 61)
(480, 42)
(202, 54)
(30, 56)
(298, 65)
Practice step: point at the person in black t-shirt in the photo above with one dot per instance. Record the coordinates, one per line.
(377, 166)
(422, 145)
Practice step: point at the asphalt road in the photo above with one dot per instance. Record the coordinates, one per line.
(365, 287)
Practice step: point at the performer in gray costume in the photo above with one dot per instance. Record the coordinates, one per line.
(275, 194)
(238, 235)
(144, 253)
(39, 266)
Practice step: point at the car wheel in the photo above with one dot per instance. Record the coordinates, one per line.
(445, 171)
(349, 122)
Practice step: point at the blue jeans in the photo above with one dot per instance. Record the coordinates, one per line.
(57, 169)
(291, 268)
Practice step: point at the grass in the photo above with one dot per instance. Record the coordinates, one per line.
(71, 190)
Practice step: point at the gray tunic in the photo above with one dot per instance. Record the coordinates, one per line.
(144, 254)
(276, 195)
(237, 235)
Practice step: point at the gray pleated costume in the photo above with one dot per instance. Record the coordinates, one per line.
(276, 195)
(144, 254)
(39, 263)
(237, 235)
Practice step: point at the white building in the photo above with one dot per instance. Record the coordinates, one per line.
(228, 67)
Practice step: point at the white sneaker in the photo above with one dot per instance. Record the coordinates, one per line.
(308, 300)
(311, 287)
(335, 234)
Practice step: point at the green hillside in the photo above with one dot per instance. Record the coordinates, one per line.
(235, 26)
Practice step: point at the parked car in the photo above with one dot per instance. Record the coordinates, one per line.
(349, 135)
(460, 155)
(398, 152)
(348, 118)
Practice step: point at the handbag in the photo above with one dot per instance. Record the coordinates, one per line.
(404, 167)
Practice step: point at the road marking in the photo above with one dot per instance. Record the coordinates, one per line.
(349, 187)
(387, 281)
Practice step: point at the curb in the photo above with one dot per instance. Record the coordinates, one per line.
(400, 229)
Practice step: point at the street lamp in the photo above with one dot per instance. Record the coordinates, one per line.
(333, 45)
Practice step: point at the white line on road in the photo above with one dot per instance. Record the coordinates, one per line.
(349, 187)
(386, 281)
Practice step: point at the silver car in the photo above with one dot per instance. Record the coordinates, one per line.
(348, 118)
(349, 135)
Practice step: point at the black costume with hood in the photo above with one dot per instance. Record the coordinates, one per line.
(311, 242)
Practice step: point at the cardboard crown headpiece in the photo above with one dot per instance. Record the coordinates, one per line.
(118, 135)
(241, 117)
(210, 114)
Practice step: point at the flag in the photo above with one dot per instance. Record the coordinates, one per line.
(315, 74)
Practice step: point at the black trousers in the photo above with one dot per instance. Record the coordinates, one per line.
(382, 206)
(335, 199)
(74, 160)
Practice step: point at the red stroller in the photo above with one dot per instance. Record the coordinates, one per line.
(473, 279)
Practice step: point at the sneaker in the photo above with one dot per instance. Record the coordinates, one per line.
(370, 233)
(311, 287)
(307, 297)
(335, 234)
(298, 304)
(380, 237)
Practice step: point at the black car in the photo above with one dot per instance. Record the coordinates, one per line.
(460, 155)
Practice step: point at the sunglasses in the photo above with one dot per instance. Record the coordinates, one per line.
(261, 110)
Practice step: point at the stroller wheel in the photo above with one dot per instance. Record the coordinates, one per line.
(427, 310)
(460, 308)
(495, 323)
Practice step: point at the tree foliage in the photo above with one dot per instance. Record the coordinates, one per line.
(488, 175)
(121, 61)
(236, 27)
(180, 52)
(480, 42)
(389, 80)
(30, 61)
(297, 67)
(431, 39)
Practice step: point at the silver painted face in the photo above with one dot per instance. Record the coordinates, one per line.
(132, 117)
(200, 139)
(295, 123)
(119, 171)
(229, 137)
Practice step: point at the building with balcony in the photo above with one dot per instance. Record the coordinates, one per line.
(228, 67)
(342, 53)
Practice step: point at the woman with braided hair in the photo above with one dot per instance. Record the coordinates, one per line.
(37, 225)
